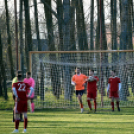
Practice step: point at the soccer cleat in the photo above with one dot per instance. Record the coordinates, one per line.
(82, 110)
(119, 109)
(15, 131)
(24, 131)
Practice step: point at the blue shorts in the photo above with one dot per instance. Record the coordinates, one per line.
(79, 92)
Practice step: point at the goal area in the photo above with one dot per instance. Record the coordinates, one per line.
(53, 70)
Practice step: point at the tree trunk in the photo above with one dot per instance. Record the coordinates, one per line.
(72, 26)
(3, 73)
(1, 60)
(39, 48)
(37, 24)
(92, 33)
(9, 48)
(54, 69)
(66, 41)
(21, 37)
(28, 35)
(114, 32)
(60, 23)
(123, 46)
(81, 27)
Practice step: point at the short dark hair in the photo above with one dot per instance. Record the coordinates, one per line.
(18, 72)
(77, 68)
(114, 71)
(91, 70)
(19, 77)
(28, 73)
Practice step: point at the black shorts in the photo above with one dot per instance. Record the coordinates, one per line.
(79, 92)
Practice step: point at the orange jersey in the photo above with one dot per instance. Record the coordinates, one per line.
(79, 80)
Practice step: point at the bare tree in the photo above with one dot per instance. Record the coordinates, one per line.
(10, 57)
(3, 73)
(1, 60)
(21, 36)
(60, 23)
(123, 46)
(28, 35)
(81, 27)
(51, 45)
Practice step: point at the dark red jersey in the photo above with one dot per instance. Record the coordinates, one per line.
(92, 86)
(22, 90)
(114, 83)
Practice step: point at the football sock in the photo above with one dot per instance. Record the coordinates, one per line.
(81, 105)
(89, 104)
(117, 103)
(32, 106)
(25, 123)
(112, 103)
(95, 105)
(17, 124)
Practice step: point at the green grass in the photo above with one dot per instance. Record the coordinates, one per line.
(71, 121)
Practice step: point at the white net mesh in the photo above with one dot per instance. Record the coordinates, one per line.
(52, 72)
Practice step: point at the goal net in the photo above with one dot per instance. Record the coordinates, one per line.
(52, 72)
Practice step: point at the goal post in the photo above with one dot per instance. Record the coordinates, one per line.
(52, 71)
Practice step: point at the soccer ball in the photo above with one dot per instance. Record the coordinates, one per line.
(90, 78)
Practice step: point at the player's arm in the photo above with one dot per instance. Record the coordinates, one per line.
(33, 83)
(15, 93)
(108, 87)
(96, 79)
(31, 91)
(73, 81)
(119, 86)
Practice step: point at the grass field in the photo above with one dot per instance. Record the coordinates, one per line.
(71, 121)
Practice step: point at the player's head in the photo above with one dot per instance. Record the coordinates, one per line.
(28, 74)
(18, 72)
(77, 70)
(19, 77)
(113, 72)
(91, 72)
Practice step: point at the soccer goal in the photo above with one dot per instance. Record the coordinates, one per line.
(52, 71)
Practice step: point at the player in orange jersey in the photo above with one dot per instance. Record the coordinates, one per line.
(92, 89)
(114, 86)
(78, 80)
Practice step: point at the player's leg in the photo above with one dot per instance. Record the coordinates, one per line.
(117, 103)
(80, 102)
(112, 103)
(111, 95)
(95, 104)
(17, 118)
(29, 104)
(89, 103)
(32, 105)
(25, 122)
(89, 96)
(25, 116)
(13, 108)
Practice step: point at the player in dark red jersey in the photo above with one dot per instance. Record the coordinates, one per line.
(92, 89)
(20, 90)
(114, 86)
